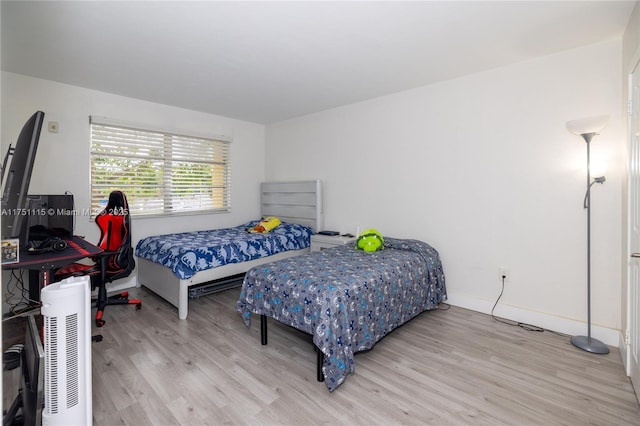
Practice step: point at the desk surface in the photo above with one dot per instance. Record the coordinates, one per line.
(42, 265)
(77, 248)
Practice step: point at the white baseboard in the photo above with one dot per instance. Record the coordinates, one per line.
(609, 336)
(625, 354)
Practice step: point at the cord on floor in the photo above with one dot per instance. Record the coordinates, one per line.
(522, 325)
(529, 327)
(442, 306)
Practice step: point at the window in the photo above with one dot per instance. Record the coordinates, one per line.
(161, 173)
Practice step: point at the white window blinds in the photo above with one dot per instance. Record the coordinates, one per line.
(161, 173)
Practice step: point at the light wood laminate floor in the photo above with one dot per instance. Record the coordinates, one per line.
(445, 367)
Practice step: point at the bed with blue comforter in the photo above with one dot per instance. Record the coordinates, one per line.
(347, 299)
(188, 253)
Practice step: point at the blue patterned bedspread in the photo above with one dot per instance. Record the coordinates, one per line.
(346, 298)
(190, 252)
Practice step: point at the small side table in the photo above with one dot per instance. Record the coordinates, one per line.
(322, 242)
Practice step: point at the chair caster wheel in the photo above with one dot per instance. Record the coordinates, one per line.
(96, 338)
(99, 323)
(138, 306)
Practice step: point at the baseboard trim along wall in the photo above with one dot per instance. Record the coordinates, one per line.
(566, 326)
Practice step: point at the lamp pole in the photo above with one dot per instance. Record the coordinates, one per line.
(588, 343)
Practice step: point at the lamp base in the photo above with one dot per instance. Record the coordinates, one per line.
(590, 344)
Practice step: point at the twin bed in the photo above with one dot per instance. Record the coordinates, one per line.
(169, 265)
(346, 299)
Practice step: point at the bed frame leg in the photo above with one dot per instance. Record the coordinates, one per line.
(263, 329)
(319, 363)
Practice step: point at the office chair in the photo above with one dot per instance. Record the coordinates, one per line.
(115, 262)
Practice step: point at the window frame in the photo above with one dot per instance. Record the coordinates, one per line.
(186, 174)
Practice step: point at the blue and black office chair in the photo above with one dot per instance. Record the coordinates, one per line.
(115, 262)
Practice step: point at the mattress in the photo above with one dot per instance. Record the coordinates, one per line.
(188, 253)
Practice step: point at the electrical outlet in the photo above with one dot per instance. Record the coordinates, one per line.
(504, 272)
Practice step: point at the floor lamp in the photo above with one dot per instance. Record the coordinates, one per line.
(588, 128)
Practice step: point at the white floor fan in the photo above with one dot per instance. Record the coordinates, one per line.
(66, 309)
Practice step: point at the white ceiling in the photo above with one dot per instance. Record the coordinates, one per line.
(269, 61)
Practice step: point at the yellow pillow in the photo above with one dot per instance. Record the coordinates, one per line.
(265, 225)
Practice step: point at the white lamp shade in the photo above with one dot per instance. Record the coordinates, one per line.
(588, 125)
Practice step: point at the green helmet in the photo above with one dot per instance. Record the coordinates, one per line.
(370, 241)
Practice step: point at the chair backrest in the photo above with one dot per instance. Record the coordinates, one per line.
(115, 236)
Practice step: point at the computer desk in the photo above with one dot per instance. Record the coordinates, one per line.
(41, 266)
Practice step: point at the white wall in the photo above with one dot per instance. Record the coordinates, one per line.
(483, 168)
(62, 161)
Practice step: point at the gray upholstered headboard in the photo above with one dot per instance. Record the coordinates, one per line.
(295, 202)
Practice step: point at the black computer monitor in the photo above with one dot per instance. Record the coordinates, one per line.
(51, 215)
(18, 176)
